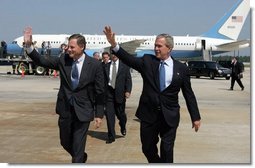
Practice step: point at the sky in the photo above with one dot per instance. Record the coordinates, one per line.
(128, 17)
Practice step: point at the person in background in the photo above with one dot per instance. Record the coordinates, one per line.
(237, 73)
(105, 61)
(118, 78)
(96, 55)
(81, 85)
(35, 46)
(48, 48)
(106, 57)
(43, 46)
(3, 49)
(159, 109)
(63, 49)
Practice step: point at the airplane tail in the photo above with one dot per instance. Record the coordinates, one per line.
(230, 25)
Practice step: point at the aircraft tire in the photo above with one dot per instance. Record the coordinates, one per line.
(39, 70)
(22, 67)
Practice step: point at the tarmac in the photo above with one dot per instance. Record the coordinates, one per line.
(29, 132)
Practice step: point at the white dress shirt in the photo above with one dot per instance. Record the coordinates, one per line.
(169, 66)
(80, 64)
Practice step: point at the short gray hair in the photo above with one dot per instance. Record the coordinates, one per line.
(169, 39)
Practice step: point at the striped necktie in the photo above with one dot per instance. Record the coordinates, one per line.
(162, 75)
(114, 72)
(75, 75)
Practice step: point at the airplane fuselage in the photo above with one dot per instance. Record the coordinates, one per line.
(184, 46)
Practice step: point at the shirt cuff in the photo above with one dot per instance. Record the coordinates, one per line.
(116, 48)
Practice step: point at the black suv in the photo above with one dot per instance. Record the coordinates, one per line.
(208, 68)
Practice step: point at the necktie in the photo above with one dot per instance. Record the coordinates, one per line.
(162, 76)
(113, 75)
(75, 75)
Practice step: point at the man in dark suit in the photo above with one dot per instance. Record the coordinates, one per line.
(236, 74)
(81, 85)
(158, 109)
(118, 78)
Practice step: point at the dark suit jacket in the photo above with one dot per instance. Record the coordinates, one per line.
(123, 81)
(89, 90)
(152, 99)
(236, 69)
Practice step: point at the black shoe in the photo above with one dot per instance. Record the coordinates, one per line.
(123, 131)
(85, 157)
(242, 88)
(109, 141)
(230, 88)
(79, 161)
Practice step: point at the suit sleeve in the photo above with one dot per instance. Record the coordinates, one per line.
(128, 83)
(129, 60)
(100, 89)
(189, 97)
(44, 61)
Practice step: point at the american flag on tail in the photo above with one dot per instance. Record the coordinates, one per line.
(237, 18)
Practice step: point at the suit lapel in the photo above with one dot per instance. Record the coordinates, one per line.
(84, 72)
(119, 69)
(68, 68)
(175, 73)
(155, 69)
(107, 71)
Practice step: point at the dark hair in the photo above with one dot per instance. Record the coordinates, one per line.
(106, 53)
(80, 40)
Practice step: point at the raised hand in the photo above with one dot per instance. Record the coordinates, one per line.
(110, 36)
(28, 36)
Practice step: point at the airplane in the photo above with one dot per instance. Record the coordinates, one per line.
(221, 38)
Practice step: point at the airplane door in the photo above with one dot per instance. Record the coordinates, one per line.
(203, 44)
(206, 53)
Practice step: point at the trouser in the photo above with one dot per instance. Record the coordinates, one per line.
(112, 109)
(73, 135)
(149, 133)
(235, 78)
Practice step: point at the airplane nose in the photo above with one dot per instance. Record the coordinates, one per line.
(14, 49)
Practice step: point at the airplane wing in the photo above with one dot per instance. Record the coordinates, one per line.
(235, 44)
(129, 46)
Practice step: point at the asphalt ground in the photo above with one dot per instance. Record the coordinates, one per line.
(29, 131)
